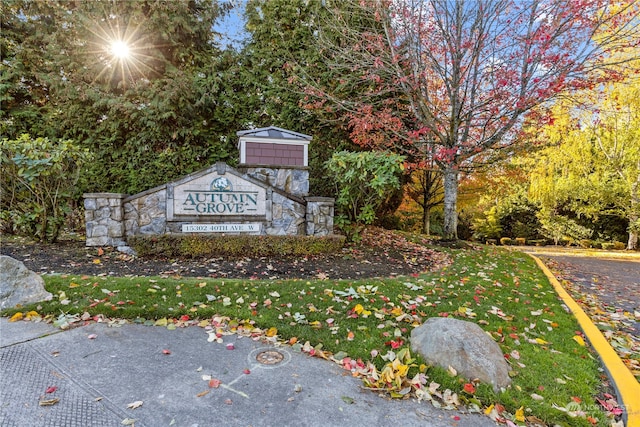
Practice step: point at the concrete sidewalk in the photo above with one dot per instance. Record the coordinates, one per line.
(97, 371)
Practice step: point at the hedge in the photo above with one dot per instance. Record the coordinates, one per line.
(191, 245)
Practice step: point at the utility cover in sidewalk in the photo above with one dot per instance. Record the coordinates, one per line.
(270, 357)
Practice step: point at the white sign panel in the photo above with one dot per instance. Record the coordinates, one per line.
(214, 195)
(221, 228)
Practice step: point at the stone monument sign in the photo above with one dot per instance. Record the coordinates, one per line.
(267, 196)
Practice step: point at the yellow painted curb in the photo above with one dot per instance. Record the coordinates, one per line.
(625, 383)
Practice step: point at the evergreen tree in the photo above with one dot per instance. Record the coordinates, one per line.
(169, 107)
(282, 47)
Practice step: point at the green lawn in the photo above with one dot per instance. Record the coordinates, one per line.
(555, 377)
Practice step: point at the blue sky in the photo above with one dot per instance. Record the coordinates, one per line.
(232, 27)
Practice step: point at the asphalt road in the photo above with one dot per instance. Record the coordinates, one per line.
(615, 282)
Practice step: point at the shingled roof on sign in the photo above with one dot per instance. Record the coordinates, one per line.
(273, 132)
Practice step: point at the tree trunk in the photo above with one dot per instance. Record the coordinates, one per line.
(426, 221)
(632, 245)
(450, 204)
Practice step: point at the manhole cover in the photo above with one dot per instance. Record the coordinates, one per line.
(269, 357)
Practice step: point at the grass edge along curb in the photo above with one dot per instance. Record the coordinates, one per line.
(626, 386)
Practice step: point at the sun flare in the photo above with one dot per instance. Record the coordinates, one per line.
(120, 49)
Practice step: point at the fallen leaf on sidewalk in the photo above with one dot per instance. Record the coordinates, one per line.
(51, 389)
(49, 402)
(135, 405)
(202, 393)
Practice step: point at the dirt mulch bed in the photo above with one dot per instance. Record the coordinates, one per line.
(381, 253)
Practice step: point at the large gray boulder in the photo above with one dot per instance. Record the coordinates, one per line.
(19, 285)
(465, 347)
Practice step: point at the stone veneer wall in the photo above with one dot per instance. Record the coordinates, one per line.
(111, 218)
(294, 181)
(146, 213)
(319, 216)
(103, 214)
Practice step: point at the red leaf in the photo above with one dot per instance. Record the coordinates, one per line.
(165, 351)
(214, 383)
(51, 389)
(469, 388)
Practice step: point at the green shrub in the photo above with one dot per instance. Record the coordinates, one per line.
(586, 243)
(363, 179)
(619, 246)
(487, 226)
(607, 246)
(506, 241)
(565, 241)
(538, 242)
(191, 245)
(38, 184)
(491, 242)
(521, 241)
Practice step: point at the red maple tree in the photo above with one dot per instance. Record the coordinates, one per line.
(452, 80)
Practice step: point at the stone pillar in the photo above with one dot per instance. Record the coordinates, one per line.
(320, 212)
(104, 219)
(294, 181)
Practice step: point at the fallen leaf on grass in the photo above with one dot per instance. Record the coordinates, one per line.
(469, 388)
(16, 317)
(271, 332)
(579, 340)
(520, 414)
